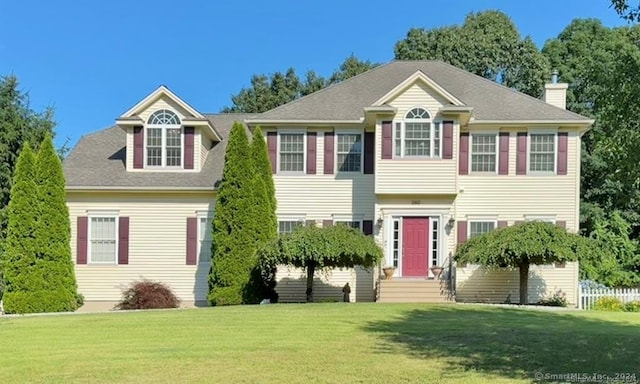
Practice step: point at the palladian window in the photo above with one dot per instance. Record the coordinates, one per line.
(164, 140)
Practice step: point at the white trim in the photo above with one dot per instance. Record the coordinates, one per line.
(298, 131)
(495, 134)
(525, 123)
(103, 212)
(538, 132)
(96, 215)
(432, 137)
(481, 220)
(160, 91)
(207, 215)
(347, 131)
(328, 123)
(409, 81)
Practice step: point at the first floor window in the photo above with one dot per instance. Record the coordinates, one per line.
(480, 227)
(353, 224)
(288, 226)
(102, 239)
(204, 239)
(292, 152)
(542, 152)
(349, 152)
(483, 153)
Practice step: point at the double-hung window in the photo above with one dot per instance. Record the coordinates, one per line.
(204, 238)
(418, 135)
(103, 239)
(542, 152)
(484, 152)
(291, 152)
(164, 140)
(288, 226)
(480, 227)
(349, 152)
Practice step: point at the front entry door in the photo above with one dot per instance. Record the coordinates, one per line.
(415, 244)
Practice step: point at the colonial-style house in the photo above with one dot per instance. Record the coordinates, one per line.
(419, 154)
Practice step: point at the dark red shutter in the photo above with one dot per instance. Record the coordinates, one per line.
(367, 227)
(123, 240)
(192, 240)
(502, 224)
(563, 142)
(189, 133)
(369, 152)
(328, 152)
(463, 158)
(272, 144)
(387, 139)
(138, 147)
(462, 231)
(327, 223)
(311, 152)
(521, 156)
(447, 144)
(561, 224)
(81, 239)
(503, 157)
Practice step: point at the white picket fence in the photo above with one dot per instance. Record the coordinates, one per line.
(588, 297)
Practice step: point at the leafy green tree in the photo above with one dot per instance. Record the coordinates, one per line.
(520, 246)
(626, 11)
(313, 248)
(234, 224)
(487, 44)
(18, 124)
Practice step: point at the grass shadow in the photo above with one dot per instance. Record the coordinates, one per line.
(515, 343)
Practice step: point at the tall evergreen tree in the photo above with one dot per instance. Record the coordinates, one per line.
(23, 282)
(234, 224)
(53, 232)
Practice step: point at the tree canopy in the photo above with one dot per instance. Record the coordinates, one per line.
(313, 248)
(626, 10)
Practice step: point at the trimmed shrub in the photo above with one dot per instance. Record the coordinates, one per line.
(148, 294)
(632, 306)
(610, 304)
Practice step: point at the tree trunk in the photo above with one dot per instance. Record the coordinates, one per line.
(524, 284)
(311, 269)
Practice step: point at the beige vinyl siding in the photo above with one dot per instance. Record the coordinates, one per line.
(157, 243)
(292, 284)
(416, 176)
(479, 284)
(205, 144)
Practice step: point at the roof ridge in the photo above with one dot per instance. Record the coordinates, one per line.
(496, 84)
(329, 87)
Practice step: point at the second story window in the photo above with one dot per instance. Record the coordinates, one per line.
(417, 135)
(483, 153)
(291, 152)
(164, 140)
(542, 152)
(349, 152)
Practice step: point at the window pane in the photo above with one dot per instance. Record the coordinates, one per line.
(154, 146)
(398, 139)
(288, 226)
(164, 117)
(103, 239)
(483, 153)
(292, 152)
(418, 113)
(349, 152)
(396, 242)
(434, 242)
(542, 153)
(417, 139)
(480, 227)
(436, 139)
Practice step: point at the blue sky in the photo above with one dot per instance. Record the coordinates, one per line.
(92, 61)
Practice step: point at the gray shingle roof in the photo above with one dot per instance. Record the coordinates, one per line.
(346, 100)
(98, 160)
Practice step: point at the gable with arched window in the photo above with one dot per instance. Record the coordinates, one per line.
(418, 135)
(163, 147)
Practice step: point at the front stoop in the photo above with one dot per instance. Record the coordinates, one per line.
(405, 290)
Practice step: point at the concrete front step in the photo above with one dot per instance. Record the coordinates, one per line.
(414, 291)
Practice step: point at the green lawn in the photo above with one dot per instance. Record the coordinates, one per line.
(317, 343)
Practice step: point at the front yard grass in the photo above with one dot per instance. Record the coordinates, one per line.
(318, 343)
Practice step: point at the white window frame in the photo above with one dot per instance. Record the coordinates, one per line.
(344, 131)
(208, 216)
(481, 220)
(296, 218)
(103, 214)
(163, 128)
(432, 138)
(496, 154)
(534, 132)
(302, 132)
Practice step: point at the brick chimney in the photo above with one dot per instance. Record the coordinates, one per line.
(556, 93)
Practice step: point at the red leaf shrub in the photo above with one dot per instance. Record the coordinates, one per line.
(147, 294)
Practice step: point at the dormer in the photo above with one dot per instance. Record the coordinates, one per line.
(165, 134)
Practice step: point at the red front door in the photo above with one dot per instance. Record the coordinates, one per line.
(415, 246)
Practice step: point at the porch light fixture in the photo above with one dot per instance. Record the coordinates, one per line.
(450, 223)
(379, 222)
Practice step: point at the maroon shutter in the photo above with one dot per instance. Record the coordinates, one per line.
(272, 144)
(327, 223)
(447, 134)
(561, 224)
(387, 139)
(367, 227)
(503, 158)
(563, 142)
(462, 231)
(369, 152)
(502, 224)
(81, 239)
(192, 240)
(138, 147)
(311, 152)
(521, 158)
(328, 152)
(189, 133)
(123, 240)
(463, 161)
